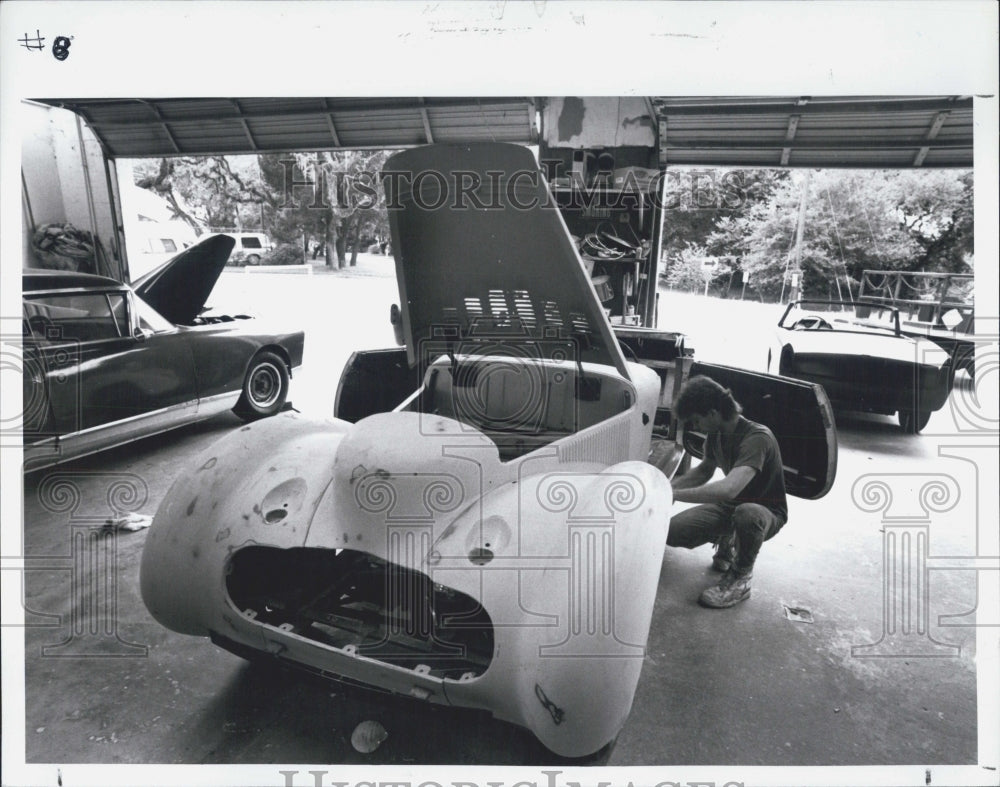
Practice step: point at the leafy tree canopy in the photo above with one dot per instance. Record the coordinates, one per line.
(333, 199)
(852, 220)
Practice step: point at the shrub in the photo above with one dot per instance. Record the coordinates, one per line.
(285, 254)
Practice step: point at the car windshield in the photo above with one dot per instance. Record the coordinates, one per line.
(819, 315)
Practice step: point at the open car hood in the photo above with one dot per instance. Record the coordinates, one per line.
(178, 288)
(484, 258)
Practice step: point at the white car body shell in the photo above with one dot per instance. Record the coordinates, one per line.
(576, 532)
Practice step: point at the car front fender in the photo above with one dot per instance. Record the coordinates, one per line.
(566, 563)
(259, 485)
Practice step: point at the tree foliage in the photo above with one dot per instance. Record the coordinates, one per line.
(333, 198)
(208, 191)
(330, 198)
(937, 210)
(696, 201)
(688, 271)
(746, 219)
(851, 221)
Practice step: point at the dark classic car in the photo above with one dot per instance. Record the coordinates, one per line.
(105, 363)
(866, 365)
(481, 524)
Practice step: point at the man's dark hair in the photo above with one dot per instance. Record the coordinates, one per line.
(701, 394)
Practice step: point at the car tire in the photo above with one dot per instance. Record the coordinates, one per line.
(786, 362)
(253, 259)
(912, 421)
(967, 360)
(265, 387)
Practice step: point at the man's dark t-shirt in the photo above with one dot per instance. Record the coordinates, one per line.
(753, 445)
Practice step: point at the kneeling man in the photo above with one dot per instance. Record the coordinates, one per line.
(739, 512)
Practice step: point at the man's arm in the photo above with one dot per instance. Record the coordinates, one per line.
(722, 491)
(696, 477)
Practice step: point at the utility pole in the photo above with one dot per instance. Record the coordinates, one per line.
(797, 270)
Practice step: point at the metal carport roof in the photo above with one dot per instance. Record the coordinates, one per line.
(847, 131)
(795, 131)
(137, 127)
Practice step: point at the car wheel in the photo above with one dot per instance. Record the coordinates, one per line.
(265, 387)
(967, 361)
(253, 259)
(786, 362)
(913, 421)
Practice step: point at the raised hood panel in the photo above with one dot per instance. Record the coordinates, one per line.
(179, 287)
(483, 256)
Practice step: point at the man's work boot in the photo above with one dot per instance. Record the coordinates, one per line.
(731, 590)
(725, 553)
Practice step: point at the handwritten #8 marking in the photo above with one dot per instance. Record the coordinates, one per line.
(60, 46)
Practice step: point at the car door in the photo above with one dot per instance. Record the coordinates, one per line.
(374, 381)
(797, 412)
(101, 374)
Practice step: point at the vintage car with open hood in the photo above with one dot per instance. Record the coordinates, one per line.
(105, 363)
(480, 525)
(867, 365)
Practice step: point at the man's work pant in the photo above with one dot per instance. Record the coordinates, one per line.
(753, 524)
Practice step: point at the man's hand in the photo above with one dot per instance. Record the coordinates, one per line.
(724, 490)
(701, 474)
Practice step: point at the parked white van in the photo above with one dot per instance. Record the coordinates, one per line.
(250, 247)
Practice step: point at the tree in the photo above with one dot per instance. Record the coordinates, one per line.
(699, 204)
(369, 218)
(853, 221)
(332, 196)
(937, 209)
(210, 191)
(159, 176)
(688, 269)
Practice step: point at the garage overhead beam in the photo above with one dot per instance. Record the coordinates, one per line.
(163, 124)
(812, 106)
(931, 134)
(427, 123)
(246, 128)
(936, 125)
(793, 123)
(829, 144)
(331, 124)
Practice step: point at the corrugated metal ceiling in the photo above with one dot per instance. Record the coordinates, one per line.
(130, 128)
(796, 131)
(849, 131)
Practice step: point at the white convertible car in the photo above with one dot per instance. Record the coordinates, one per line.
(864, 365)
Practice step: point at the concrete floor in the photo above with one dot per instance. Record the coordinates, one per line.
(750, 686)
(745, 686)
